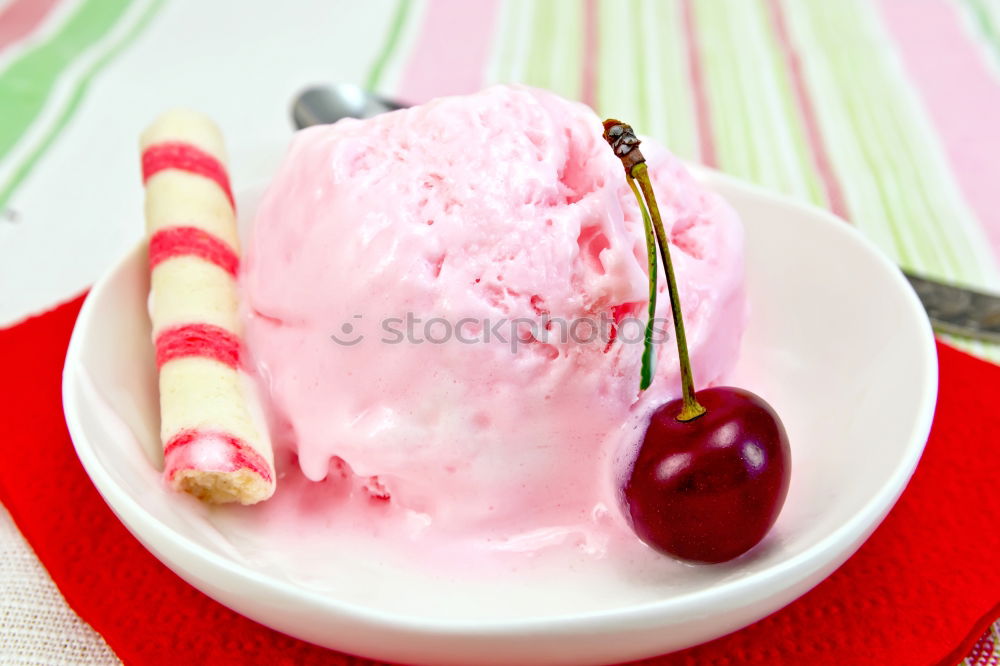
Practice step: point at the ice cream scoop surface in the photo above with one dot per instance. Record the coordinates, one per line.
(445, 307)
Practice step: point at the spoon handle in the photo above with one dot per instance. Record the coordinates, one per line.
(322, 105)
(957, 310)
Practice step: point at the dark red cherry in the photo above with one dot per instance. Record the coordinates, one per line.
(708, 489)
(712, 471)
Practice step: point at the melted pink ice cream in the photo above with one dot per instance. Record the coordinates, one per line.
(502, 205)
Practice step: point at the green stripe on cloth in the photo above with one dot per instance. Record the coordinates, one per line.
(640, 50)
(554, 54)
(895, 175)
(672, 116)
(511, 41)
(390, 45)
(22, 170)
(760, 135)
(642, 71)
(539, 56)
(986, 18)
(530, 49)
(29, 80)
(567, 70)
(540, 44)
(618, 92)
(884, 150)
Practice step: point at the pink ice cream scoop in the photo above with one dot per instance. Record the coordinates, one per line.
(447, 303)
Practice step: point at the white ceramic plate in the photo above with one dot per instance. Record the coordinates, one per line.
(837, 342)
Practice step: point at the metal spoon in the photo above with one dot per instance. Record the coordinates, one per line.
(951, 309)
(321, 105)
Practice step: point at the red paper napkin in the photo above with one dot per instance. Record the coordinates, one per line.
(920, 591)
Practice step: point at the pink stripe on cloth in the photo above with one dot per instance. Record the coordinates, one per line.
(706, 133)
(452, 51)
(22, 17)
(960, 92)
(834, 192)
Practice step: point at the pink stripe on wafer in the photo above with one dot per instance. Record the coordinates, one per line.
(191, 241)
(202, 340)
(238, 454)
(185, 157)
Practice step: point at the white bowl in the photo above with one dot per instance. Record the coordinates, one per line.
(837, 342)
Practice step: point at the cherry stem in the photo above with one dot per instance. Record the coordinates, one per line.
(692, 409)
(648, 350)
(625, 145)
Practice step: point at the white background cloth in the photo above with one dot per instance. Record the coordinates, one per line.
(36, 625)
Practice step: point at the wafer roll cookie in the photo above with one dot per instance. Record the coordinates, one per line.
(214, 445)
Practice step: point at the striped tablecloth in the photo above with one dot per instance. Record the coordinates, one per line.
(885, 111)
